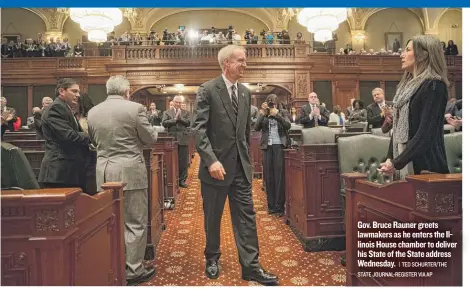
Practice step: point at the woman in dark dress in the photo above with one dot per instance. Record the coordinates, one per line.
(417, 143)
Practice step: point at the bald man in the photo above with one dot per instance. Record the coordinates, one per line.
(177, 120)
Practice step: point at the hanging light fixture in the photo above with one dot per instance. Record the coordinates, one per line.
(322, 21)
(98, 22)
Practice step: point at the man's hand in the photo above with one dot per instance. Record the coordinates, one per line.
(316, 111)
(217, 171)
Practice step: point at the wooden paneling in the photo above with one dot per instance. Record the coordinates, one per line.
(390, 89)
(365, 91)
(42, 91)
(17, 97)
(344, 90)
(97, 93)
(325, 92)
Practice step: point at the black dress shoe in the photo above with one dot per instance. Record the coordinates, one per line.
(262, 277)
(183, 185)
(212, 269)
(148, 275)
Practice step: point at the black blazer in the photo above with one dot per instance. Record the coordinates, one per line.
(155, 119)
(304, 118)
(426, 130)
(66, 146)
(283, 125)
(373, 114)
(219, 134)
(177, 128)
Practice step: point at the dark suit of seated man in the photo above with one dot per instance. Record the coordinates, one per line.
(66, 143)
(375, 117)
(313, 114)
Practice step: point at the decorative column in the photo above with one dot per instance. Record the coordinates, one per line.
(358, 38)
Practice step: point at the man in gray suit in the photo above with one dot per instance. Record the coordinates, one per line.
(222, 129)
(119, 129)
(177, 121)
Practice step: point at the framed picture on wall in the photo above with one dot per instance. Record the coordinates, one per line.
(393, 41)
(11, 37)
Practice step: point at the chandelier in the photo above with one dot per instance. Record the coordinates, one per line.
(322, 21)
(98, 22)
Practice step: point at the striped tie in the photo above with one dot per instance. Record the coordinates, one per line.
(234, 100)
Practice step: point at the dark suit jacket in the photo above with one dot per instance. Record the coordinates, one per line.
(155, 119)
(304, 118)
(283, 125)
(220, 135)
(373, 114)
(38, 125)
(66, 146)
(426, 131)
(177, 128)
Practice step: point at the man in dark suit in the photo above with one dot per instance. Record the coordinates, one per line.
(65, 141)
(177, 121)
(222, 128)
(313, 114)
(375, 115)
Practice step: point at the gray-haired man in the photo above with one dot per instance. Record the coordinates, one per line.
(119, 129)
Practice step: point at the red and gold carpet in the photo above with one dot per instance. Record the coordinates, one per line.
(180, 253)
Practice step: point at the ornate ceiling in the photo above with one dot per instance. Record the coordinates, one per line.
(142, 19)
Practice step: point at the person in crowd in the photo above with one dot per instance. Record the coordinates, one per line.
(337, 116)
(274, 124)
(154, 115)
(177, 121)
(222, 138)
(313, 114)
(254, 115)
(452, 48)
(350, 108)
(417, 143)
(119, 129)
(30, 119)
(453, 115)
(359, 114)
(65, 141)
(375, 115)
(8, 114)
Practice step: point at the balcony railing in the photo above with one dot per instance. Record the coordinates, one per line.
(295, 54)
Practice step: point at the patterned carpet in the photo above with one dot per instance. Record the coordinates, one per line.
(180, 253)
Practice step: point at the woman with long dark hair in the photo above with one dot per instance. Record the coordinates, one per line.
(417, 143)
(85, 103)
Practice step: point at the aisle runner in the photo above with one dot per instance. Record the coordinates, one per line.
(180, 254)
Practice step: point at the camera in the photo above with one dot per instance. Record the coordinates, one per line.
(271, 104)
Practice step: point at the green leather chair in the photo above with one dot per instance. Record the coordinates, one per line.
(319, 135)
(453, 144)
(16, 170)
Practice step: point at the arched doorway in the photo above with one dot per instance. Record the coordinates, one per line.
(162, 94)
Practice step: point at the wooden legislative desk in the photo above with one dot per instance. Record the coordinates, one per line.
(62, 237)
(421, 198)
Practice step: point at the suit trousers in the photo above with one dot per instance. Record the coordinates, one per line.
(135, 230)
(243, 219)
(274, 175)
(183, 163)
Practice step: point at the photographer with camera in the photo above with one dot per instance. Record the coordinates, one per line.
(274, 123)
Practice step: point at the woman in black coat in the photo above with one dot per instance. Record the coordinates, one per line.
(417, 143)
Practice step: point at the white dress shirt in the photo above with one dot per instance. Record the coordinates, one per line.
(229, 86)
